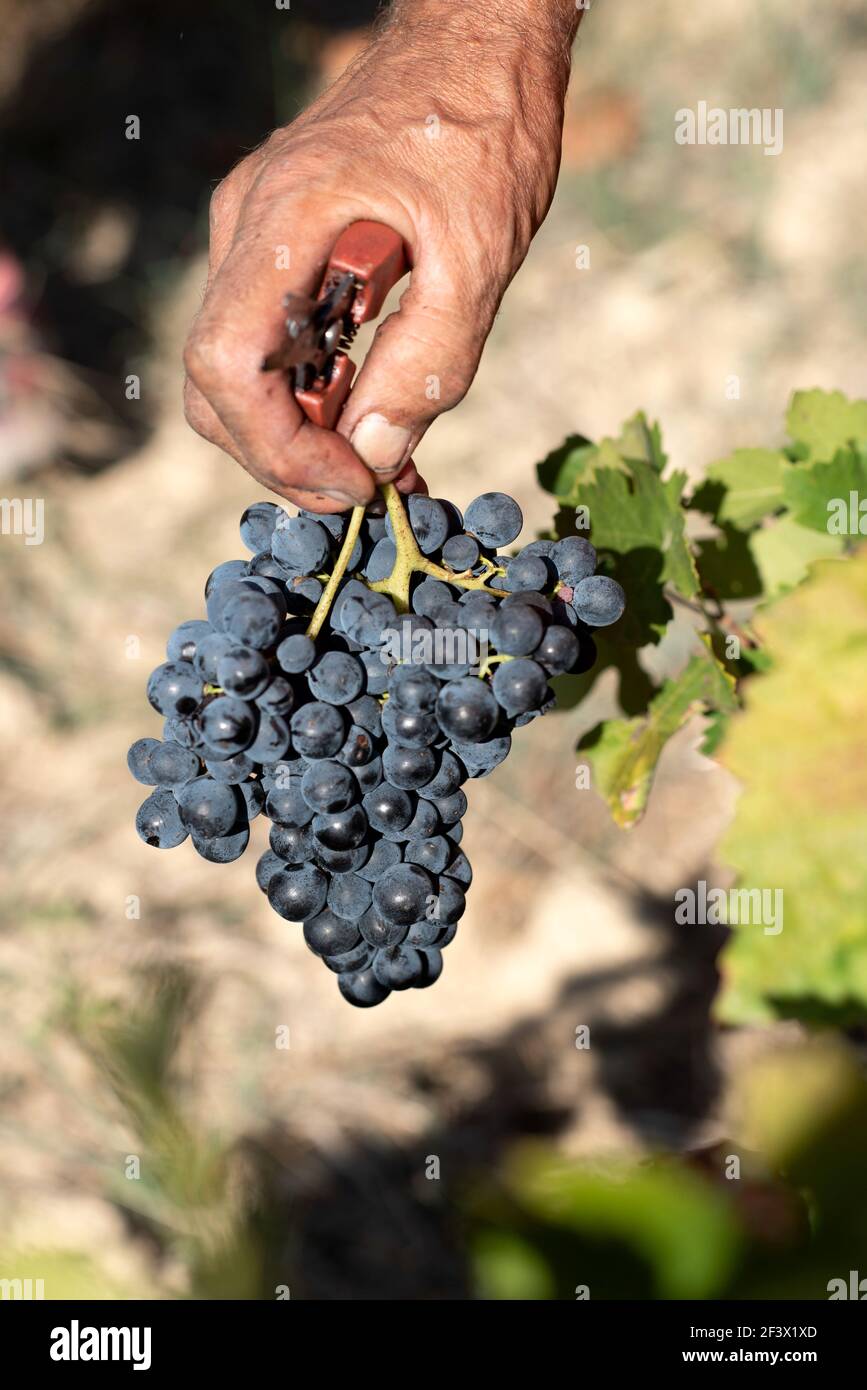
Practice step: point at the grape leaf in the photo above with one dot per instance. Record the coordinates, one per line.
(577, 460)
(624, 753)
(826, 421)
(800, 750)
(784, 551)
(809, 491)
(637, 511)
(745, 487)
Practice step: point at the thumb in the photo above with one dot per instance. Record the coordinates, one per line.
(421, 363)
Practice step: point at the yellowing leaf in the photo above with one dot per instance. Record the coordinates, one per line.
(624, 760)
(826, 421)
(783, 552)
(800, 751)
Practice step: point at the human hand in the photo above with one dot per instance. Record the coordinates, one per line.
(446, 129)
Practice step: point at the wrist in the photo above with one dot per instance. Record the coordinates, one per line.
(538, 33)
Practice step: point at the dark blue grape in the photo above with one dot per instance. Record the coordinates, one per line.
(286, 806)
(432, 854)
(460, 869)
(298, 893)
(398, 967)
(379, 932)
(575, 559)
(183, 642)
(174, 689)
(209, 808)
(253, 618)
(433, 967)
(258, 523)
(296, 653)
(452, 807)
(388, 808)
(293, 843)
(361, 988)
(357, 958)
(367, 712)
(402, 893)
(158, 821)
(328, 786)
(384, 856)
(228, 570)
(494, 518)
(448, 778)
(301, 544)
(318, 730)
(228, 725)
(409, 727)
(520, 685)
(558, 650)
(278, 697)
(253, 795)
(517, 631)
(408, 767)
(467, 710)
(337, 678)
(343, 861)
(272, 738)
(460, 554)
(428, 520)
(349, 896)
(380, 561)
(243, 671)
(370, 775)
(358, 747)
(328, 934)
(171, 765)
(138, 760)
(480, 759)
(424, 824)
(413, 688)
(598, 600)
(340, 829)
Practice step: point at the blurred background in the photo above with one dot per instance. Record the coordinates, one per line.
(455, 1143)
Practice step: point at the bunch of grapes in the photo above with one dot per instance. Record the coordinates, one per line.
(348, 680)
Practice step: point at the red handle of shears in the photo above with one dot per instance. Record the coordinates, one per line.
(374, 254)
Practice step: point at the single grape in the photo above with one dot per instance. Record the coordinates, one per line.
(209, 808)
(366, 712)
(379, 932)
(460, 869)
(460, 553)
(328, 934)
(466, 709)
(398, 967)
(183, 642)
(494, 518)
(433, 967)
(388, 808)
(598, 600)
(380, 561)
(408, 767)
(424, 824)
(358, 747)
(356, 958)
(349, 896)
(286, 806)
(340, 829)
(369, 776)
(384, 856)
(301, 545)
(272, 738)
(242, 671)
(361, 988)
(520, 685)
(517, 631)
(480, 759)
(258, 523)
(269, 864)
(318, 730)
(293, 843)
(401, 894)
(452, 807)
(432, 854)
(228, 724)
(298, 893)
(412, 728)
(575, 559)
(450, 902)
(296, 653)
(414, 689)
(558, 650)
(328, 786)
(208, 653)
(278, 697)
(253, 794)
(253, 618)
(174, 688)
(428, 520)
(449, 777)
(342, 861)
(337, 678)
(138, 760)
(158, 821)
(171, 765)
(228, 570)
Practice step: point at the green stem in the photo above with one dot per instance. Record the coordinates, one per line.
(320, 612)
(410, 561)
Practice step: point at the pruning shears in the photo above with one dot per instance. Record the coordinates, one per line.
(367, 260)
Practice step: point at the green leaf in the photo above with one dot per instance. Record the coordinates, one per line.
(637, 511)
(726, 566)
(826, 421)
(679, 1225)
(745, 487)
(624, 753)
(811, 493)
(800, 751)
(577, 460)
(784, 551)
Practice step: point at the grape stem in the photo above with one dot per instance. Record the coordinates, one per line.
(409, 559)
(323, 607)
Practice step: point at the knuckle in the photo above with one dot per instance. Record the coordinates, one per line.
(209, 357)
